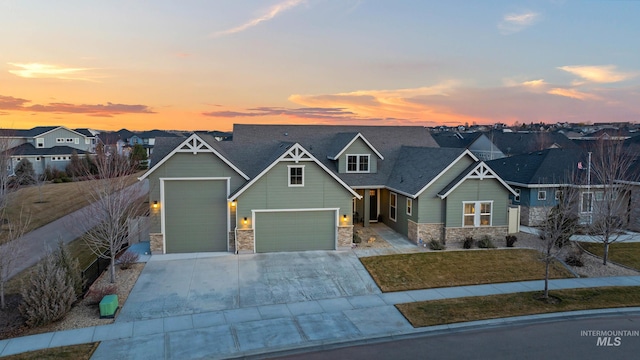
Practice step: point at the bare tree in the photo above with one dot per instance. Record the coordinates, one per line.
(11, 247)
(5, 166)
(560, 223)
(613, 174)
(114, 201)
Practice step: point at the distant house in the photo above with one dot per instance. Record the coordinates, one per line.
(297, 187)
(478, 143)
(514, 143)
(48, 146)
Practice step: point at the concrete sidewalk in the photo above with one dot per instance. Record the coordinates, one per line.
(254, 330)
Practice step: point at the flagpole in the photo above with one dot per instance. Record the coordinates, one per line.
(590, 196)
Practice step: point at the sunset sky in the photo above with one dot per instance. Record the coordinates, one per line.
(205, 65)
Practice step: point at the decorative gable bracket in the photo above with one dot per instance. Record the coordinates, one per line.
(297, 153)
(194, 145)
(482, 172)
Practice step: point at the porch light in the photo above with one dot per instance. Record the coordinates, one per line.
(233, 203)
(344, 217)
(245, 219)
(155, 204)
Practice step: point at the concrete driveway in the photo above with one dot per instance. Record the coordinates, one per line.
(173, 285)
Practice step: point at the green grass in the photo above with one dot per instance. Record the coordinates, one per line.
(458, 268)
(627, 254)
(449, 311)
(74, 352)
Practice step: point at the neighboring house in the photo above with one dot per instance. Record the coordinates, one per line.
(478, 143)
(515, 143)
(123, 140)
(297, 187)
(538, 178)
(48, 146)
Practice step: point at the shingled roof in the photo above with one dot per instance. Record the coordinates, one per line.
(551, 166)
(29, 150)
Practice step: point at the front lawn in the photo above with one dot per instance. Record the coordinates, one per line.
(627, 254)
(75, 352)
(428, 313)
(458, 268)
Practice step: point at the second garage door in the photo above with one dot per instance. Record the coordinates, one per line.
(295, 230)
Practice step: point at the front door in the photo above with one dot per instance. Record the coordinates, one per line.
(373, 205)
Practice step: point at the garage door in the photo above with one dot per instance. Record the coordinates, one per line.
(295, 231)
(195, 215)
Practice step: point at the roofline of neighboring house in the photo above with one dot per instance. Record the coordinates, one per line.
(358, 135)
(465, 152)
(539, 186)
(64, 127)
(280, 158)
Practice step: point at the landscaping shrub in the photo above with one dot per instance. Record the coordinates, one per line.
(485, 243)
(127, 259)
(574, 257)
(48, 295)
(468, 242)
(436, 245)
(96, 293)
(511, 239)
(70, 266)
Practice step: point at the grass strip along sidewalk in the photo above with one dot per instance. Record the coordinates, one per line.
(448, 311)
(627, 254)
(458, 268)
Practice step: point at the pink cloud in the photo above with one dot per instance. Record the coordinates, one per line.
(101, 110)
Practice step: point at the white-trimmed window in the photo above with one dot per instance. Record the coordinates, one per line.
(516, 197)
(586, 203)
(296, 175)
(542, 195)
(358, 163)
(409, 206)
(599, 195)
(76, 141)
(477, 213)
(59, 140)
(558, 195)
(69, 140)
(393, 206)
(39, 142)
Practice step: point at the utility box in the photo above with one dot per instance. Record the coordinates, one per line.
(108, 306)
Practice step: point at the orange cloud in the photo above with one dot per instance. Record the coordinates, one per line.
(47, 71)
(103, 110)
(598, 74)
(574, 94)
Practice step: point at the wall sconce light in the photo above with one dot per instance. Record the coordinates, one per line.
(344, 217)
(233, 203)
(245, 219)
(155, 204)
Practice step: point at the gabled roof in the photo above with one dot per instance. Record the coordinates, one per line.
(154, 134)
(194, 144)
(342, 141)
(85, 131)
(523, 143)
(455, 139)
(37, 131)
(28, 149)
(551, 167)
(411, 174)
(296, 153)
(478, 170)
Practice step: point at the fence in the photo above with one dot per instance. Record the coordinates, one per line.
(92, 272)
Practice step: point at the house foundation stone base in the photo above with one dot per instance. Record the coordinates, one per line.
(533, 216)
(345, 236)
(156, 243)
(245, 241)
(495, 233)
(426, 232)
(232, 241)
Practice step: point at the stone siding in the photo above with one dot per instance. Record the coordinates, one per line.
(426, 232)
(232, 241)
(156, 243)
(533, 216)
(245, 241)
(457, 234)
(345, 236)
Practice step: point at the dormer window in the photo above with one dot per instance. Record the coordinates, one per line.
(358, 163)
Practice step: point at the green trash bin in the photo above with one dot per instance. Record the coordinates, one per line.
(108, 306)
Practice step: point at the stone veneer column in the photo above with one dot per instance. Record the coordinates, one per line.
(245, 241)
(426, 232)
(156, 243)
(345, 236)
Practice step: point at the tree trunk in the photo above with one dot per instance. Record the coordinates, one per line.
(112, 269)
(546, 279)
(606, 253)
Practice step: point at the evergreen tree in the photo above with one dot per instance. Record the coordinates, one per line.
(25, 174)
(138, 157)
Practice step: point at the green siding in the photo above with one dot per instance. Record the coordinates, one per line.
(431, 207)
(295, 231)
(272, 191)
(195, 215)
(186, 165)
(401, 224)
(50, 139)
(361, 148)
(478, 190)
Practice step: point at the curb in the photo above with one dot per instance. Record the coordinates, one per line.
(437, 330)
